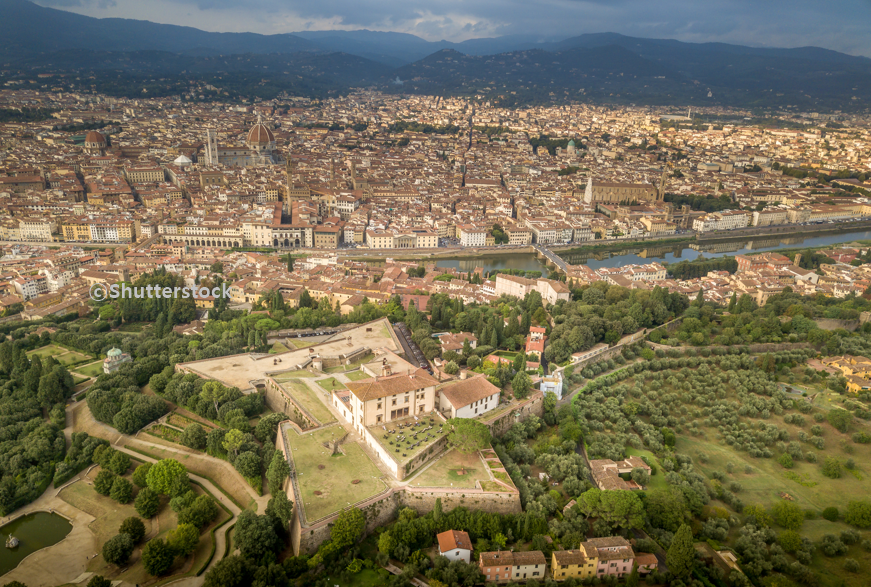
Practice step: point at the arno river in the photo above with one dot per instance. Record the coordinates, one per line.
(649, 252)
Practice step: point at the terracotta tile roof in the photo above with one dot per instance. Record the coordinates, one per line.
(569, 557)
(645, 559)
(453, 539)
(533, 557)
(506, 558)
(367, 389)
(463, 393)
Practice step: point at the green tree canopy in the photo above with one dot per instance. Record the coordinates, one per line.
(164, 474)
(134, 527)
(147, 503)
(468, 436)
(256, 538)
(788, 515)
(347, 528)
(157, 556)
(681, 555)
(183, 539)
(117, 550)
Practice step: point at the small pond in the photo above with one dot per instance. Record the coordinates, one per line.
(34, 532)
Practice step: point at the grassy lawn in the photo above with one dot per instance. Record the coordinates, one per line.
(288, 375)
(769, 477)
(91, 369)
(109, 514)
(355, 365)
(401, 450)
(831, 569)
(77, 380)
(331, 384)
(445, 472)
(300, 343)
(47, 351)
(369, 578)
(307, 396)
(278, 348)
(356, 375)
(656, 481)
(63, 356)
(331, 476)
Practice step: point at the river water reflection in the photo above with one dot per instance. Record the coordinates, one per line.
(650, 252)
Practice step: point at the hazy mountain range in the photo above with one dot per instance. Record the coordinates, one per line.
(603, 66)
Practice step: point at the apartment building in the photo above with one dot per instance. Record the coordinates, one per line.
(144, 174)
(572, 564)
(471, 236)
(727, 220)
(658, 226)
(518, 235)
(614, 555)
(505, 566)
(36, 229)
(327, 236)
(770, 217)
(30, 286)
(392, 238)
(514, 286)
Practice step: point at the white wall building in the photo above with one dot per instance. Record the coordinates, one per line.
(468, 398)
(455, 545)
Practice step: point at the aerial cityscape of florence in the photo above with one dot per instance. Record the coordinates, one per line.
(563, 293)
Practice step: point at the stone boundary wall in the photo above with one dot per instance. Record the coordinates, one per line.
(609, 354)
(279, 401)
(534, 404)
(382, 509)
(833, 324)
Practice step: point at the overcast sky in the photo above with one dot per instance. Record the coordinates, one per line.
(841, 24)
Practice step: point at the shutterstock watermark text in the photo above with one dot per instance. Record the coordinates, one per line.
(100, 292)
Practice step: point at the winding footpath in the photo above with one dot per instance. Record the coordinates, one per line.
(66, 562)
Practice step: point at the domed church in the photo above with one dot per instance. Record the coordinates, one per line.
(258, 148)
(95, 143)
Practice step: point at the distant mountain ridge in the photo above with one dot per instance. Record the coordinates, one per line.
(601, 66)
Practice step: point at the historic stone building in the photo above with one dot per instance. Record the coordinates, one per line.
(258, 149)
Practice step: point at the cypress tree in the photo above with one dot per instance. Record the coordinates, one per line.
(681, 555)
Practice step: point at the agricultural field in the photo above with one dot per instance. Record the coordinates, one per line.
(724, 429)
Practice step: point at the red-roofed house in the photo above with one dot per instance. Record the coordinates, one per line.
(535, 341)
(455, 545)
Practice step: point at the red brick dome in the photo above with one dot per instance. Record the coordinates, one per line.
(260, 135)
